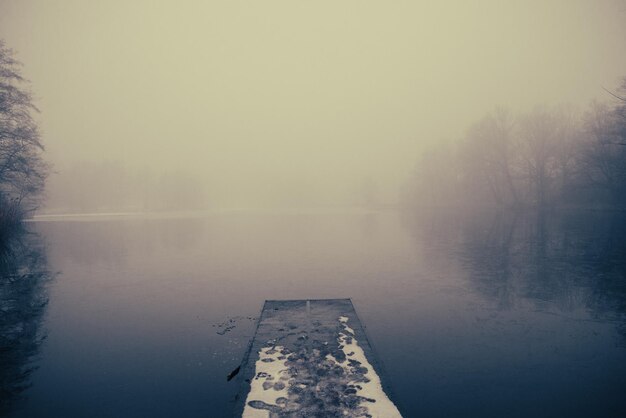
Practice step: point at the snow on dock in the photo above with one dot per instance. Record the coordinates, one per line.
(311, 358)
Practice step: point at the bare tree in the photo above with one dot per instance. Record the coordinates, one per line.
(434, 179)
(603, 157)
(488, 156)
(568, 139)
(22, 169)
(538, 142)
(620, 112)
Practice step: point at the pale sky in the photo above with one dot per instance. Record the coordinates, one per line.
(249, 96)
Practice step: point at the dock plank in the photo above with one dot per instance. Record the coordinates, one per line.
(311, 358)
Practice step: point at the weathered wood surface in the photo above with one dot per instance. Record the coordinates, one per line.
(311, 358)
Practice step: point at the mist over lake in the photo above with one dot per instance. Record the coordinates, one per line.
(312, 209)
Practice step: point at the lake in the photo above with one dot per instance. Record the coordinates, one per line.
(472, 314)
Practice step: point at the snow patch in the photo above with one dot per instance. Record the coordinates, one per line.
(371, 389)
(269, 383)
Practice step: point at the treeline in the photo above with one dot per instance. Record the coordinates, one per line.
(111, 186)
(547, 157)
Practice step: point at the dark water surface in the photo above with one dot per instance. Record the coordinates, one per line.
(480, 315)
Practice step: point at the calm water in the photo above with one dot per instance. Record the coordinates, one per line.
(484, 315)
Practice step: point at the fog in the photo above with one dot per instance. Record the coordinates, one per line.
(229, 104)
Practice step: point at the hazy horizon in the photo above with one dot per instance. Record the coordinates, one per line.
(293, 103)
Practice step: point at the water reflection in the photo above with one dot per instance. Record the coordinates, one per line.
(565, 262)
(481, 314)
(517, 314)
(23, 300)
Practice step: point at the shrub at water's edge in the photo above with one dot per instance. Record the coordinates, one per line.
(11, 215)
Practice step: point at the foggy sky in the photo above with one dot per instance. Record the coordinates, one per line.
(263, 97)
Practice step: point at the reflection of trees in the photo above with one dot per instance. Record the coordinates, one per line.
(606, 263)
(570, 261)
(490, 238)
(23, 274)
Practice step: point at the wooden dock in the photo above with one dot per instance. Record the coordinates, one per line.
(311, 358)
